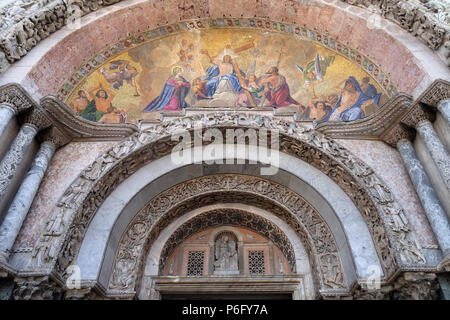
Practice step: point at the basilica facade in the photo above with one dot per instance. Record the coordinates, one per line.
(183, 149)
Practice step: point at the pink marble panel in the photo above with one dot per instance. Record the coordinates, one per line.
(66, 165)
(388, 165)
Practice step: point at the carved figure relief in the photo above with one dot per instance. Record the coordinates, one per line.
(226, 257)
(308, 145)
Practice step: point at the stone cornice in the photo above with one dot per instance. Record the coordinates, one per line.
(437, 91)
(80, 129)
(56, 122)
(395, 121)
(373, 126)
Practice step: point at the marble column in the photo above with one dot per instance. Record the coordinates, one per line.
(22, 201)
(15, 155)
(436, 148)
(7, 112)
(444, 108)
(433, 209)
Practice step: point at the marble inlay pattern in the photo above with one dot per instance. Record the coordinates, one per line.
(65, 166)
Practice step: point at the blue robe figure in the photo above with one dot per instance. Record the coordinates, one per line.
(354, 112)
(212, 75)
(172, 95)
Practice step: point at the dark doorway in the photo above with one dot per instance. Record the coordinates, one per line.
(225, 296)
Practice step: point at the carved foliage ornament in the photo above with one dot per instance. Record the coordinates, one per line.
(317, 238)
(233, 217)
(88, 191)
(429, 20)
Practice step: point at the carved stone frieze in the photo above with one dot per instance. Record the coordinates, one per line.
(317, 238)
(429, 20)
(36, 288)
(24, 23)
(82, 199)
(407, 286)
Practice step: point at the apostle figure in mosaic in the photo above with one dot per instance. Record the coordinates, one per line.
(277, 93)
(352, 98)
(172, 95)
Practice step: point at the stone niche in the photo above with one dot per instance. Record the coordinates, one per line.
(226, 251)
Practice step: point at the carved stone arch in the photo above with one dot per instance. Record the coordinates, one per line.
(373, 198)
(316, 237)
(229, 217)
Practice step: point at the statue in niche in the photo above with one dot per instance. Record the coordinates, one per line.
(226, 258)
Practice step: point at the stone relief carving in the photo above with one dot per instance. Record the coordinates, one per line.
(235, 217)
(326, 155)
(426, 19)
(36, 288)
(24, 23)
(161, 210)
(408, 286)
(225, 254)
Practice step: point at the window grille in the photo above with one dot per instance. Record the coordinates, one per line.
(256, 263)
(195, 263)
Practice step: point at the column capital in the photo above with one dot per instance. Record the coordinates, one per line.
(417, 114)
(436, 92)
(38, 118)
(55, 136)
(423, 122)
(14, 95)
(398, 133)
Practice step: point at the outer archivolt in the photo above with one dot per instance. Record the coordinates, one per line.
(394, 244)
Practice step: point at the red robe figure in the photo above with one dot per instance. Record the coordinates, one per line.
(278, 93)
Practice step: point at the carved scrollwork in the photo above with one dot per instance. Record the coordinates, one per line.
(17, 97)
(429, 20)
(168, 205)
(36, 288)
(353, 176)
